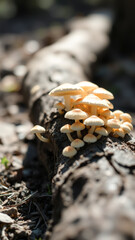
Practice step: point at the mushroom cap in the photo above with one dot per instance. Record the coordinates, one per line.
(113, 123)
(126, 117)
(77, 143)
(103, 93)
(102, 131)
(89, 138)
(87, 86)
(77, 126)
(37, 129)
(126, 128)
(76, 114)
(128, 124)
(69, 151)
(59, 105)
(66, 129)
(117, 113)
(120, 132)
(93, 100)
(110, 105)
(94, 121)
(66, 89)
(105, 112)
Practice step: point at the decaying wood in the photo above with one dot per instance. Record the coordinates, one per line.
(93, 193)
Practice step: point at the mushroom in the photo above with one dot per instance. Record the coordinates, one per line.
(78, 126)
(69, 151)
(77, 143)
(89, 138)
(125, 128)
(60, 106)
(37, 129)
(66, 90)
(110, 105)
(67, 129)
(103, 93)
(113, 123)
(125, 117)
(117, 114)
(76, 114)
(118, 132)
(128, 124)
(93, 101)
(93, 121)
(87, 86)
(101, 132)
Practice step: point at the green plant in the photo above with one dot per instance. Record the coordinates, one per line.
(5, 162)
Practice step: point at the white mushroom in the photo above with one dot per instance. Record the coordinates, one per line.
(37, 129)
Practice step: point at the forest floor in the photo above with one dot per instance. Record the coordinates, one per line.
(25, 191)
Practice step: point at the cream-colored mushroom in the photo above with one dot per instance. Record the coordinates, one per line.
(118, 132)
(93, 121)
(87, 86)
(60, 106)
(78, 127)
(77, 143)
(76, 115)
(101, 132)
(67, 129)
(66, 90)
(89, 138)
(93, 102)
(69, 151)
(103, 93)
(37, 129)
(125, 117)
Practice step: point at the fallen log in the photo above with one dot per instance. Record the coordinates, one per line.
(93, 192)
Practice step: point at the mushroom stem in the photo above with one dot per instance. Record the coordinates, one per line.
(93, 110)
(43, 139)
(67, 102)
(99, 136)
(79, 134)
(91, 130)
(70, 137)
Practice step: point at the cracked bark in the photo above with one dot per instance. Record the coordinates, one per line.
(93, 193)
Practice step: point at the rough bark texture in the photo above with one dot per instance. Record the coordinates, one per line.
(93, 193)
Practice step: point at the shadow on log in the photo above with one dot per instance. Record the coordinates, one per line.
(93, 193)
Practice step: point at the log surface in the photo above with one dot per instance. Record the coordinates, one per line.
(93, 193)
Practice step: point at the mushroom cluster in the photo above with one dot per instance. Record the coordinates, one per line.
(89, 107)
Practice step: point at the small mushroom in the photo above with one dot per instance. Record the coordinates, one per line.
(87, 86)
(60, 106)
(126, 128)
(77, 143)
(67, 129)
(113, 123)
(76, 114)
(37, 129)
(101, 132)
(125, 117)
(117, 114)
(93, 121)
(69, 151)
(118, 132)
(78, 126)
(89, 138)
(93, 102)
(66, 90)
(103, 93)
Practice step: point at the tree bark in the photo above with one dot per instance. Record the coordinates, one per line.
(93, 192)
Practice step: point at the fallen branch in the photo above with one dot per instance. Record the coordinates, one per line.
(93, 193)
